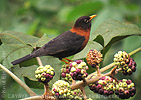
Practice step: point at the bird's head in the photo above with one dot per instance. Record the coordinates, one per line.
(84, 22)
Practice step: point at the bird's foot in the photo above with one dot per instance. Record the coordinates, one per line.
(68, 60)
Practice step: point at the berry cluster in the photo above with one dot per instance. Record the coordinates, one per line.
(61, 89)
(76, 94)
(44, 73)
(125, 89)
(94, 58)
(78, 70)
(65, 72)
(124, 61)
(104, 86)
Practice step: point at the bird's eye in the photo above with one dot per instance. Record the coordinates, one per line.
(86, 21)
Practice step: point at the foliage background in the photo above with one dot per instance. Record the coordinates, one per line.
(52, 17)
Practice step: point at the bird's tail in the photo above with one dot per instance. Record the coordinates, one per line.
(27, 57)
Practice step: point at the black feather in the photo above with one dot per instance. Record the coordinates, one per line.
(64, 45)
(27, 57)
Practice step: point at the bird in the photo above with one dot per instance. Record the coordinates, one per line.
(66, 44)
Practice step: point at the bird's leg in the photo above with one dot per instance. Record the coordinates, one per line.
(65, 61)
(68, 59)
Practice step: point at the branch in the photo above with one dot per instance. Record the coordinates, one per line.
(47, 93)
(83, 92)
(21, 83)
(39, 61)
(88, 80)
(34, 98)
(102, 69)
(135, 51)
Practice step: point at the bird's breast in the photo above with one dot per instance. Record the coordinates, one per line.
(85, 33)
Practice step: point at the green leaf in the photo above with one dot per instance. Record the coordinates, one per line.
(105, 14)
(29, 75)
(11, 52)
(33, 84)
(10, 37)
(25, 71)
(113, 30)
(89, 46)
(100, 40)
(42, 41)
(29, 72)
(16, 45)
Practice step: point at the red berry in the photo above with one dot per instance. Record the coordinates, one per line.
(78, 70)
(67, 71)
(78, 61)
(63, 75)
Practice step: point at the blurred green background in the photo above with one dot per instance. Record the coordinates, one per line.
(52, 17)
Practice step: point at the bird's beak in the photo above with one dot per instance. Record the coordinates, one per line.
(91, 17)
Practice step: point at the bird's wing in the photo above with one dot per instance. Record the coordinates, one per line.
(65, 42)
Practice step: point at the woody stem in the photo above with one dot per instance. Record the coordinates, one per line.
(21, 83)
(39, 61)
(88, 80)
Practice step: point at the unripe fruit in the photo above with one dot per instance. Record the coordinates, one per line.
(78, 72)
(75, 70)
(61, 89)
(124, 61)
(65, 72)
(44, 73)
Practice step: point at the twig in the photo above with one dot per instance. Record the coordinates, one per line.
(39, 61)
(73, 82)
(113, 71)
(98, 71)
(135, 51)
(83, 92)
(48, 94)
(33, 98)
(21, 83)
(102, 69)
(88, 80)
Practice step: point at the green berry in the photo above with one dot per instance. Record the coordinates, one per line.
(83, 64)
(43, 79)
(80, 66)
(73, 69)
(124, 84)
(74, 64)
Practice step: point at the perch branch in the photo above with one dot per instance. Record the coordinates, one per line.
(21, 83)
(33, 98)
